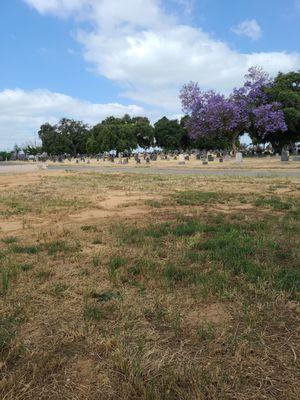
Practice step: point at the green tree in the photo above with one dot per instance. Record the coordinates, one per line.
(73, 135)
(143, 131)
(32, 150)
(117, 134)
(169, 134)
(51, 142)
(68, 136)
(286, 90)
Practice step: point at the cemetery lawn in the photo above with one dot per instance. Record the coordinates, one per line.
(120, 286)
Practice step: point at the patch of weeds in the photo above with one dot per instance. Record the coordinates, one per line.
(194, 198)
(116, 263)
(97, 241)
(154, 203)
(91, 312)
(106, 296)
(5, 279)
(189, 228)
(25, 267)
(9, 325)
(25, 249)
(44, 274)
(205, 331)
(58, 289)
(96, 260)
(127, 234)
(288, 279)
(89, 228)
(57, 246)
(10, 240)
(143, 267)
(176, 323)
(274, 202)
(158, 231)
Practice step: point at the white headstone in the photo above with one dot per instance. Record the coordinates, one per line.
(239, 157)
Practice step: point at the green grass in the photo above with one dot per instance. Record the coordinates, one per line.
(5, 279)
(194, 198)
(116, 263)
(10, 240)
(58, 246)
(106, 296)
(274, 202)
(9, 325)
(25, 249)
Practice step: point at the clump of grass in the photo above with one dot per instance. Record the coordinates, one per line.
(25, 267)
(5, 278)
(89, 228)
(25, 249)
(9, 325)
(92, 313)
(205, 331)
(96, 260)
(97, 241)
(44, 274)
(106, 296)
(10, 240)
(116, 263)
(57, 246)
(274, 202)
(155, 203)
(288, 279)
(194, 198)
(58, 289)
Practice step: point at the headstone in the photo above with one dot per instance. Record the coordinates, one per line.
(138, 160)
(198, 156)
(285, 156)
(187, 158)
(239, 157)
(220, 159)
(204, 162)
(181, 159)
(77, 161)
(147, 160)
(296, 158)
(210, 158)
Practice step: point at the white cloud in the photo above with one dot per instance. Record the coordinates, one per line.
(22, 113)
(146, 50)
(249, 28)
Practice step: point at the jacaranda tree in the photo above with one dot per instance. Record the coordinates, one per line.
(247, 108)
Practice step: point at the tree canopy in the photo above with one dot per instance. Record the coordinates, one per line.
(246, 109)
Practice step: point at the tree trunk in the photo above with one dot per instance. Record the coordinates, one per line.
(233, 146)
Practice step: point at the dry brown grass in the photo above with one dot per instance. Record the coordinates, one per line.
(149, 287)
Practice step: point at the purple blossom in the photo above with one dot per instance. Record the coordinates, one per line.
(213, 114)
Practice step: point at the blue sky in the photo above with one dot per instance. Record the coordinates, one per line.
(88, 59)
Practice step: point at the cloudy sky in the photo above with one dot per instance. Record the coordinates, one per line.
(88, 59)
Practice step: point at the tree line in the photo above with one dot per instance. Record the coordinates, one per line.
(120, 134)
(267, 109)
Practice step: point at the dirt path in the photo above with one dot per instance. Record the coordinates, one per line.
(178, 171)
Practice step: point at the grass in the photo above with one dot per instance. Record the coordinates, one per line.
(189, 300)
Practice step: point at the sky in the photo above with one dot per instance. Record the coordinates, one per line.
(89, 59)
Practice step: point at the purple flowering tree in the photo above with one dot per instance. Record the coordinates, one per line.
(247, 108)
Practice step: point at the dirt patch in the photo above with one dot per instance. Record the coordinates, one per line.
(216, 314)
